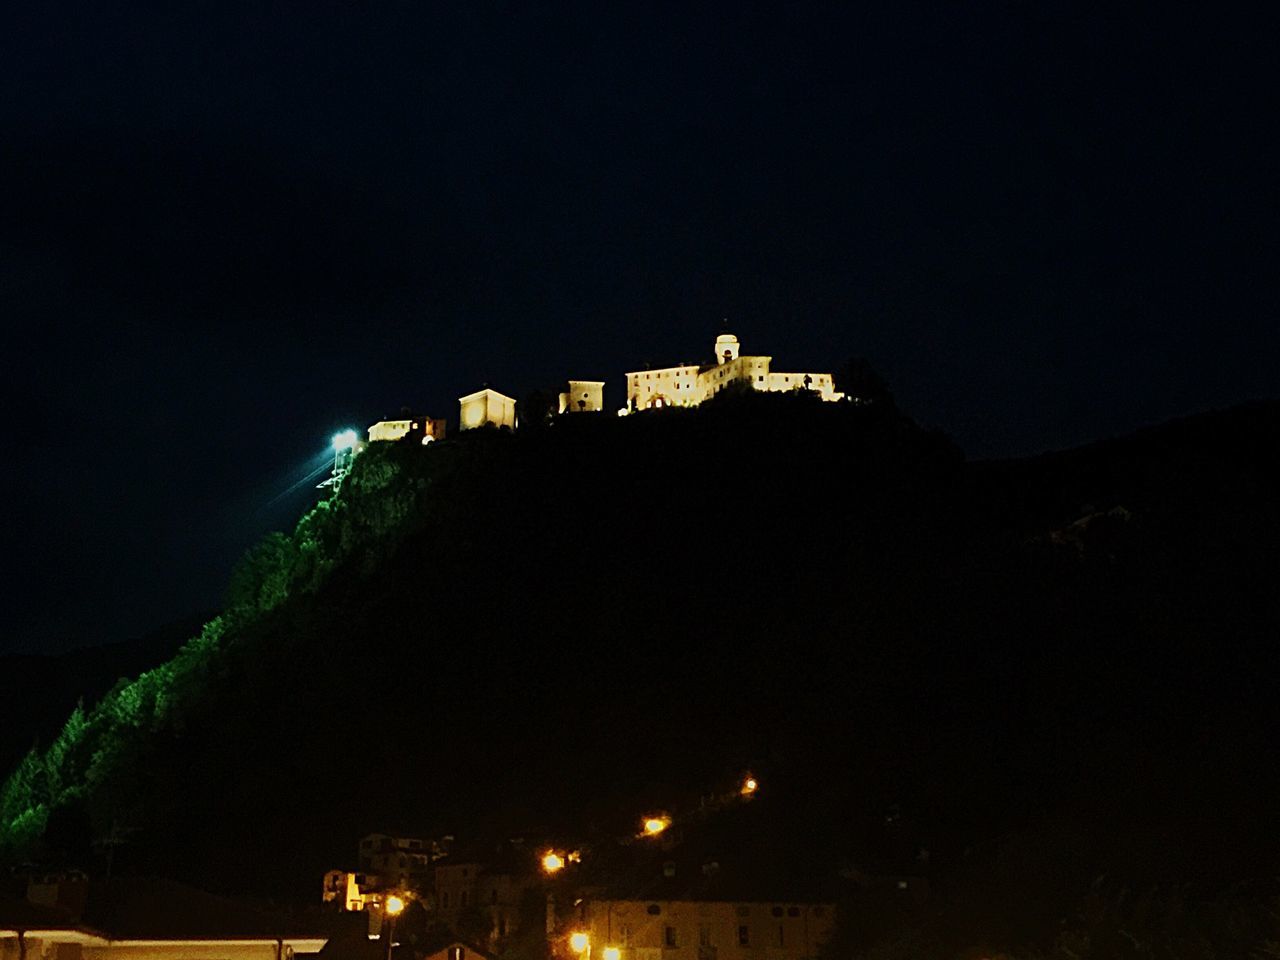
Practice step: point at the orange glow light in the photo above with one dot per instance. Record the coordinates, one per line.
(655, 825)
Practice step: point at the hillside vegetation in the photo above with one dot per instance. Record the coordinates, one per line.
(1055, 673)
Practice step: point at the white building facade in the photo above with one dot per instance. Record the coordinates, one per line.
(429, 429)
(688, 385)
(484, 407)
(582, 396)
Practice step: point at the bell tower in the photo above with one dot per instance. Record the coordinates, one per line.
(726, 348)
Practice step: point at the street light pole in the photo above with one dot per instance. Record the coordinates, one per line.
(391, 908)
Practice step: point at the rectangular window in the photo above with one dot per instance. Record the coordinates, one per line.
(744, 935)
(669, 937)
(625, 935)
(781, 941)
(704, 934)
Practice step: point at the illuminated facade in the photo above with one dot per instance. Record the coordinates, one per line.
(351, 891)
(702, 929)
(134, 919)
(427, 429)
(582, 396)
(688, 385)
(486, 407)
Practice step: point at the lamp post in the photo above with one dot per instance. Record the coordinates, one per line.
(392, 907)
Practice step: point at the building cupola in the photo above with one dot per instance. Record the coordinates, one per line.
(726, 348)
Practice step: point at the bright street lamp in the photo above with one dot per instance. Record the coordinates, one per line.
(580, 943)
(392, 907)
(655, 825)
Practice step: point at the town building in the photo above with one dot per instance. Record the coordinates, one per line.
(423, 429)
(487, 892)
(129, 919)
(486, 407)
(582, 396)
(454, 949)
(347, 890)
(397, 861)
(695, 929)
(690, 384)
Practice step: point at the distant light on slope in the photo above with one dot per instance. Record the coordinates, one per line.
(655, 825)
(749, 786)
(552, 862)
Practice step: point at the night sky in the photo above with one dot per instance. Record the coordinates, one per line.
(231, 229)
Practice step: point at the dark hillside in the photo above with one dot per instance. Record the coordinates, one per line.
(1064, 661)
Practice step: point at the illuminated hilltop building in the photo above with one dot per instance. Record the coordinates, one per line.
(582, 396)
(428, 429)
(484, 407)
(688, 385)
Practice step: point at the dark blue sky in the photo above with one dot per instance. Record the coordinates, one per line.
(233, 228)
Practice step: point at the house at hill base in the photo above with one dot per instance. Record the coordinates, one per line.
(697, 929)
(348, 890)
(454, 949)
(398, 861)
(487, 888)
(690, 384)
(133, 919)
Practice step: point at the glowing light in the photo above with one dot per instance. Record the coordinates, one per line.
(552, 862)
(574, 856)
(345, 440)
(655, 825)
(749, 786)
(579, 942)
(394, 906)
(612, 953)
